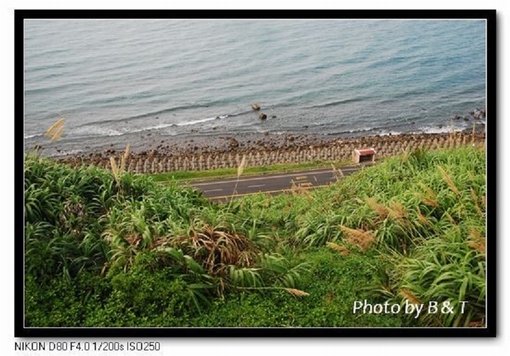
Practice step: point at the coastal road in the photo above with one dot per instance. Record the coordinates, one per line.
(225, 189)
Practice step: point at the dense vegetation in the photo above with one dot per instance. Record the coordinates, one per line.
(115, 249)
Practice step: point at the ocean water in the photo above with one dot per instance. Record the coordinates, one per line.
(113, 81)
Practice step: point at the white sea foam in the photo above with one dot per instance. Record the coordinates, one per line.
(388, 133)
(194, 122)
(437, 129)
(97, 131)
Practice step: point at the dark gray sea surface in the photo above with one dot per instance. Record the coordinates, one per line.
(132, 81)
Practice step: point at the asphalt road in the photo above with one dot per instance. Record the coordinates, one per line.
(225, 189)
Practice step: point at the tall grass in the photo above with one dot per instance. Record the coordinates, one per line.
(89, 220)
(424, 211)
(56, 130)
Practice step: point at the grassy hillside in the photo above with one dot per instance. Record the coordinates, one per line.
(115, 249)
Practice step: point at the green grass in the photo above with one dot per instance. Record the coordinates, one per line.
(123, 250)
(328, 304)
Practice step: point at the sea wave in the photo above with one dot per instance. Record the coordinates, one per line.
(97, 131)
(199, 121)
(336, 102)
(27, 137)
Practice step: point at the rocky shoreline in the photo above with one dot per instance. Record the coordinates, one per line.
(266, 149)
(158, 154)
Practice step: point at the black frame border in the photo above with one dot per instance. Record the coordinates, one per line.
(491, 88)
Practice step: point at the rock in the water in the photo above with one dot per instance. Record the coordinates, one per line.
(262, 116)
(255, 106)
(479, 114)
(234, 143)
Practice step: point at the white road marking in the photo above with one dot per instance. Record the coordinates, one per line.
(256, 185)
(305, 184)
(213, 190)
